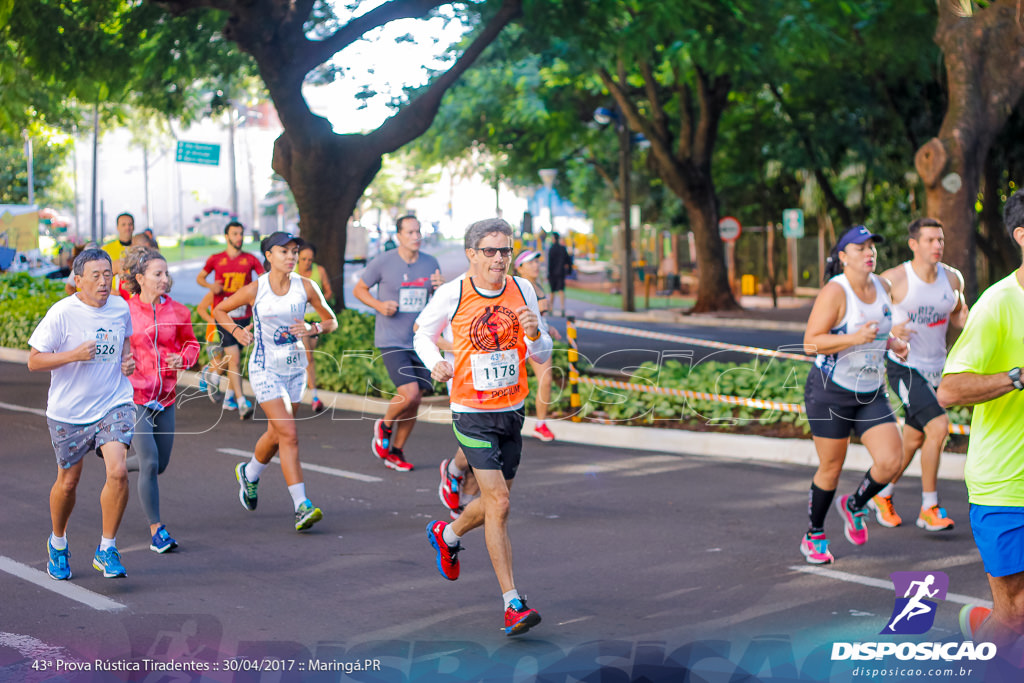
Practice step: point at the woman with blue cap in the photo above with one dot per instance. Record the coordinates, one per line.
(849, 330)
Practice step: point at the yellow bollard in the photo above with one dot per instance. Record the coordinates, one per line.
(574, 375)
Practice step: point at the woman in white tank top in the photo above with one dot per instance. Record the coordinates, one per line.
(849, 331)
(277, 365)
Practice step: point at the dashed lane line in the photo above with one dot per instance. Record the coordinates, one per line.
(64, 588)
(313, 468)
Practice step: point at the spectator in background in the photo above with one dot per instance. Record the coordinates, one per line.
(559, 266)
(116, 248)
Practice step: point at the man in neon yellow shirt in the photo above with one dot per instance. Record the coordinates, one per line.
(983, 370)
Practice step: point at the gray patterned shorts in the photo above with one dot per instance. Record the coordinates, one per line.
(72, 442)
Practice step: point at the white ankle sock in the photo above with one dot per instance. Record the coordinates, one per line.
(253, 469)
(107, 542)
(298, 492)
(59, 543)
(450, 537)
(510, 596)
(453, 470)
(929, 499)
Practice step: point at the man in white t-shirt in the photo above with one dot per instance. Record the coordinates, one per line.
(83, 343)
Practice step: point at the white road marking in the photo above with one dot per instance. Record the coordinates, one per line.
(307, 466)
(65, 588)
(880, 583)
(23, 409)
(33, 648)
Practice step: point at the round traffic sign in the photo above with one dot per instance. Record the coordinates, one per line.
(729, 229)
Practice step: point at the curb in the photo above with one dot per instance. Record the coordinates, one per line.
(735, 447)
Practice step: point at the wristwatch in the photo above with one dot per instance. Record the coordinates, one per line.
(1015, 379)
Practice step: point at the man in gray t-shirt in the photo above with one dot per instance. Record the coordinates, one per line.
(405, 278)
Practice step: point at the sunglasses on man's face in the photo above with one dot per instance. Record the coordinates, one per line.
(489, 252)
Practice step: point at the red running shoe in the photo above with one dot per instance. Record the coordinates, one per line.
(543, 433)
(447, 556)
(381, 443)
(971, 617)
(448, 489)
(395, 459)
(519, 618)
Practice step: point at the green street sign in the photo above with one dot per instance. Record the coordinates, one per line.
(198, 153)
(793, 223)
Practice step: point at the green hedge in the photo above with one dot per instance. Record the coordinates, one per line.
(24, 301)
(348, 362)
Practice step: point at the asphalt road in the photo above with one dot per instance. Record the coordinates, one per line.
(641, 564)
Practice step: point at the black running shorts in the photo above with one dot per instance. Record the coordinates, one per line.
(920, 405)
(834, 412)
(405, 367)
(492, 440)
(226, 338)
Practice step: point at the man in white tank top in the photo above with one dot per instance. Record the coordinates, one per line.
(927, 296)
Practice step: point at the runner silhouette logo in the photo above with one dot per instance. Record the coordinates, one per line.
(917, 596)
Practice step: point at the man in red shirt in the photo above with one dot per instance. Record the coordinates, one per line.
(232, 270)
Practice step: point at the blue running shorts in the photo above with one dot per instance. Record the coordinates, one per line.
(999, 534)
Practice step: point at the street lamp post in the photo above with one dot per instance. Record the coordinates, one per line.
(604, 116)
(547, 176)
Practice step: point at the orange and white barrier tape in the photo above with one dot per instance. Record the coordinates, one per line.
(661, 336)
(699, 395)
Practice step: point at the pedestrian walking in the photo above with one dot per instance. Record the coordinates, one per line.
(559, 266)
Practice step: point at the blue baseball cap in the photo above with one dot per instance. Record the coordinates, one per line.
(858, 234)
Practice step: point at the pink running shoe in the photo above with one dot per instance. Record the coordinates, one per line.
(855, 524)
(815, 548)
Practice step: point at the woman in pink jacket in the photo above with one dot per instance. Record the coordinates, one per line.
(162, 344)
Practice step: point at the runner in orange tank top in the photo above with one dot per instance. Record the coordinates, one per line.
(496, 326)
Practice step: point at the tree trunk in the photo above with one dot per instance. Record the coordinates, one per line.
(327, 178)
(984, 56)
(714, 292)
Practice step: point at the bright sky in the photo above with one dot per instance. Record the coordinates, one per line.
(384, 65)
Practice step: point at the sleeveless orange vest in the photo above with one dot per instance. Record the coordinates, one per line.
(489, 347)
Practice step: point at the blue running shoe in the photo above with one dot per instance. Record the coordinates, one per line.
(109, 562)
(307, 515)
(230, 403)
(58, 566)
(162, 541)
(519, 618)
(202, 384)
